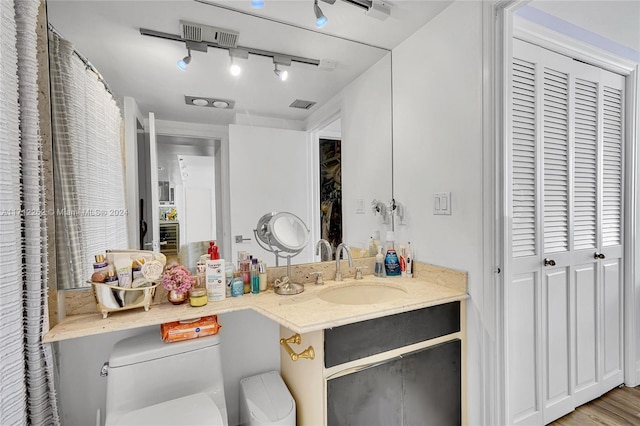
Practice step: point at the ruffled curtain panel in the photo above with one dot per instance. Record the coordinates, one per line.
(27, 394)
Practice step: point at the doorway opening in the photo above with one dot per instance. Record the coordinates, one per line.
(331, 191)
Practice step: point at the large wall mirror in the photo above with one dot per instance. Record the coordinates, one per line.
(222, 167)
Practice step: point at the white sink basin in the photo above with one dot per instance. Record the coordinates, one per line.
(362, 293)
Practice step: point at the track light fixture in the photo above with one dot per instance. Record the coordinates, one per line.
(283, 61)
(183, 63)
(234, 53)
(321, 20)
(282, 74)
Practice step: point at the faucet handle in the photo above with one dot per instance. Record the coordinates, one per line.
(319, 280)
(359, 271)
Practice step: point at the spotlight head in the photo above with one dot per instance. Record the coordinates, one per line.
(235, 69)
(257, 4)
(321, 20)
(183, 63)
(282, 74)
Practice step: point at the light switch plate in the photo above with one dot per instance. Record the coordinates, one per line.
(360, 206)
(442, 203)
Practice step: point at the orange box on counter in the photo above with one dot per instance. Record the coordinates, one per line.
(189, 329)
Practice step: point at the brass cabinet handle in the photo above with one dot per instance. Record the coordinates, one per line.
(307, 353)
(597, 255)
(549, 262)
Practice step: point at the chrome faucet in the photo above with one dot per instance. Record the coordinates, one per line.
(323, 243)
(342, 247)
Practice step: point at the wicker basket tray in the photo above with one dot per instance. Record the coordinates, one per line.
(106, 296)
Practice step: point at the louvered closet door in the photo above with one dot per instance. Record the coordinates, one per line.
(563, 303)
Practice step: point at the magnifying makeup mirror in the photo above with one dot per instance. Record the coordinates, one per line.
(285, 235)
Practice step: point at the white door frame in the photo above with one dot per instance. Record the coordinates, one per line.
(498, 33)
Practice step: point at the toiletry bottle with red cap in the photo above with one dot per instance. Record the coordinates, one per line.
(215, 275)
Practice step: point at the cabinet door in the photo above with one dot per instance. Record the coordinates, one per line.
(421, 388)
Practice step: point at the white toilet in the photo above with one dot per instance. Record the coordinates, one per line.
(151, 382)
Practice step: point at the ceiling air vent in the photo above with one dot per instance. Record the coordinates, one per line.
(302, 104)
(205, 33)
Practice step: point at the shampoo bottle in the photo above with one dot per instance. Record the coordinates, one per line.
(391, 262)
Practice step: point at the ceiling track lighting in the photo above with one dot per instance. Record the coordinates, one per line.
(321, 20)
(237, 52)
(183, 63)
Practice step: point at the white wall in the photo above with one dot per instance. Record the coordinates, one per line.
(365, 112)
(437, 95)
(366, 150)
(250, 345)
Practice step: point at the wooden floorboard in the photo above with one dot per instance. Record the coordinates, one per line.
(619, 407)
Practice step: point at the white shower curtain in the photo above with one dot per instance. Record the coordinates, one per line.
(91, 214)
(27, 393)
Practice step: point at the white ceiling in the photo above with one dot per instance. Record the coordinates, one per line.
(618, 21)
(107, 33)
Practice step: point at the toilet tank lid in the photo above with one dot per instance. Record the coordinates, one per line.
(267, 397)
(149, 345)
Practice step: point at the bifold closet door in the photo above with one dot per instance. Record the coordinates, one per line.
(563, 292)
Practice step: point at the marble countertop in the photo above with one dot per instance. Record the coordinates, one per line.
(301, 313)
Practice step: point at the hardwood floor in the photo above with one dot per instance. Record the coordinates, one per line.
(621, 406)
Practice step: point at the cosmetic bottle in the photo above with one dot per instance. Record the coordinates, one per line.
(262, 275)
(245, 273)
(379, 267)
(391, 262)
(237, 285)
(229, 269)
(409, 268)
(255, 278)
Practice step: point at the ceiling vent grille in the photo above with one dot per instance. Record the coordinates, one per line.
(302, 104)
(191, 32)
(205, 33)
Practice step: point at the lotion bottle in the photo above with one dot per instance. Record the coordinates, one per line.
(216, 276)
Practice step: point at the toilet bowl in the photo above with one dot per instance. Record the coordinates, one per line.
(265, 400)
(150, 382)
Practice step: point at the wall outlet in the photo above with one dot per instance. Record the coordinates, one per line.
(442, 203)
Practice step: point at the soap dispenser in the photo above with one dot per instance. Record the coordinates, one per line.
(391, 261)
(379, 267)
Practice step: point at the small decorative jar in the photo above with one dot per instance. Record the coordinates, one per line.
(198, 297)
(176, 298)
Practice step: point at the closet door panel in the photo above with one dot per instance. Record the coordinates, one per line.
(522, 334)
(557, 356)
(612, 318)
(585, 341)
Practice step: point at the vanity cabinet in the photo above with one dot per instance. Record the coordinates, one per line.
(401, 369)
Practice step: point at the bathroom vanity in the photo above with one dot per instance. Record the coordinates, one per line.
(386, 350)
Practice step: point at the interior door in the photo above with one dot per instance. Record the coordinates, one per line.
(564, 305)
(264, 180)
(153, 226)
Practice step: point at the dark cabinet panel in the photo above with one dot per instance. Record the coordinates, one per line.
(420, 388)
(361, 339)
(432, 381)
(366, 398)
